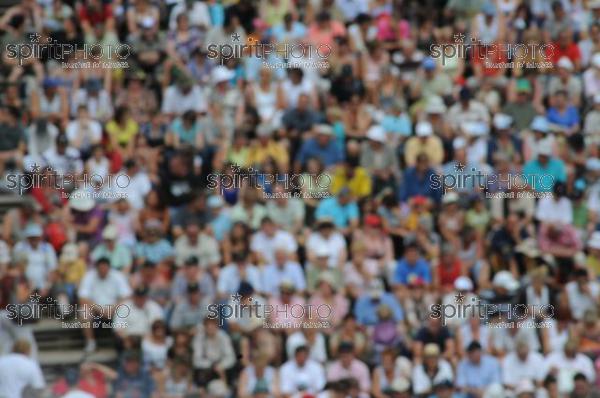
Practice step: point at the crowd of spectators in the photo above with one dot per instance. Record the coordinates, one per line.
(406, 156)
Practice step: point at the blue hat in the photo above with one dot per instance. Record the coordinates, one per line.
(50, 82)
(489, 9)
(33, 231)
(428, 63)
(541, 124)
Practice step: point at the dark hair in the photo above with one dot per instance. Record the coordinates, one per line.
(102, 260)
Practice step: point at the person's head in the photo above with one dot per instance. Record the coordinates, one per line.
(422, 162)
(159, 328)
(570, 348)
(346, 353)
(431, 354)
(193, 292)
(192, 229)
(140, 296)
(22, 347)
(412, 252)
(474, 352)
(33, 233)
(295, 75)
(211, 326)
(444, 389)
(102, 267)
(301, 355)
(281, 256)
(582, 386)
(268, 227)
(131, 362)
(323, 134)
(561, 98)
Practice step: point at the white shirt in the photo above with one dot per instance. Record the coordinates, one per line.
(568, 367)
(311, 377)
(318, 350)
(336, 244)
(41, 260)
(579, 302)
(136, 189)
(107, 291)
(77, 394)
(229, 279)
(139, 320)
(514, 370)
(421, 381)
(551, 211)
(93, 132)
(266, 245)
(198, 15)
(18, 371)
(177, 102)
(272, 276)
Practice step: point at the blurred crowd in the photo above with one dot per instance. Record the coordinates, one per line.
(254, 159)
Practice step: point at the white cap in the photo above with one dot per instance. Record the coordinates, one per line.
(221, 74)
(459, 143)
(592, 164)
(81, 201)
(544, 148)
(450, 197)
(540, 123)
(597, 98)
(33, 231)
(424, 129)
(463, 283)
(476, 129)
(565, 63)
(596, 60)
(110, 232)
(435, 105)
(594, 242)
(525, 386)
(323, 129)
(505, 280)
(502, 121)
(376, 133)
(400, 384)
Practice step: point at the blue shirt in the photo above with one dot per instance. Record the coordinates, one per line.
(414, 184)
(542, 179)
(397, 124)
(155, 252)
(405, 271)
(569, 118)
(365, 309)
(221, 225)
(480, 375)
(328, 155)
(340, 214)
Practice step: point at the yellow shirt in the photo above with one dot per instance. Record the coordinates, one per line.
(72, 272)
(260, 153)
(432, 147)
(359, 184)
(123, 135)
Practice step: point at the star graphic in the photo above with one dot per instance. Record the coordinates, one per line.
(35, 37)
(35, 297)
(235, 36)
(459, 167)
(35, 168)
(459, 37)
(236, 297)
(459, 298)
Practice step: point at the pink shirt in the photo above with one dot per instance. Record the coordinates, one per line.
(358, 370)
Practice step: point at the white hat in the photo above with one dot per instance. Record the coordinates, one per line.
(565, 63)
(400, 384)
(424, 129)
(450, 197)
(435, 105)
(540, 123)
(544, 148)
(376, 133)
(221, 74)
(596, 60)
(476, 129)
(110, 232)
(215, 201)
(502, 121)
(594, 242)
(525, 386)
(264, 130)
(459, 143)
(505, 280)
(33, 231)
(592, 164)
(323, 129)
(69, 252)
(322, 251)
(81, 201)
(463, 283)
(495, 390)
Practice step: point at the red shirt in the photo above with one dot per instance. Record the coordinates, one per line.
(95, 17)
(555, 52)
(449, 273)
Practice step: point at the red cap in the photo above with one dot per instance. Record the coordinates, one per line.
(373, 220)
